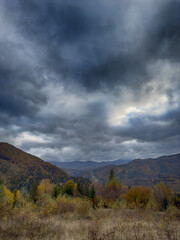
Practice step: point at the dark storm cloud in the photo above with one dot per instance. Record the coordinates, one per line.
(153, 129)
(166, 34)
(69, 70)
(161, 40)
(18, 82)
(101, 41)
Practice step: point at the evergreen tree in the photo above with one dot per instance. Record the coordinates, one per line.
(33, 193)
(92, 192)
(86, 190)
(112, 176)
(56, 191)
(80, 187)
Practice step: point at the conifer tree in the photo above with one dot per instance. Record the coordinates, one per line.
(92, 192)
(80, 187)
(33, 193)
(86, 190)
(56, 191)
(111, 176)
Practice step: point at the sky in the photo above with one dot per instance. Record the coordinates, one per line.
(90, 80)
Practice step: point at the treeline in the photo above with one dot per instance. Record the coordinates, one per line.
(70, 189)
(115, 194)
(47, 198)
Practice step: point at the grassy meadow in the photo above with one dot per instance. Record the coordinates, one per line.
(100, 224)
(77, 212)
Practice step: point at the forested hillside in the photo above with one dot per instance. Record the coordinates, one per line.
(19, 169)
(144, 172)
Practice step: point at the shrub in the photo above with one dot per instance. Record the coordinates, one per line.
(173, 212)
(163, 195)
(46, 205)
(152, 204)
(138, 197)
(64, 205)
(83, 207)
(177, 200)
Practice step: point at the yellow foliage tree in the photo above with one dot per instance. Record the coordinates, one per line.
(17, 198)
(69, 188)
(45, 187)
(8, 197)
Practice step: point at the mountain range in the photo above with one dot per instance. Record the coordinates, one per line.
(19, 169)
(145, 172)
(88, 164)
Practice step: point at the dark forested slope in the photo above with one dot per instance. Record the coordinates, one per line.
(19, 169)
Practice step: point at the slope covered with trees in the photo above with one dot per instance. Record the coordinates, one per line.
(140, 172)
(19, 169)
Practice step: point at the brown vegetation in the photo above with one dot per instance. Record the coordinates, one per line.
(101, 224)
(135, 213)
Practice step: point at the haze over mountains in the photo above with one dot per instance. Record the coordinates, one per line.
(87, 164)
(19, 169)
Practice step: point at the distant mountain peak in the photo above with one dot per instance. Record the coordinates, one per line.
(145, 172)
(88, 164)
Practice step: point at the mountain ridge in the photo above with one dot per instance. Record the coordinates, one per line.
(19, 169)
(146, 172)
(87, 164)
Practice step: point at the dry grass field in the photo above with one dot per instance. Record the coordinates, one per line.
(139, 213)
(100, 224)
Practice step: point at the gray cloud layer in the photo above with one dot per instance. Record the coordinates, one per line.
(90, 80)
